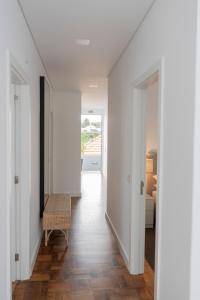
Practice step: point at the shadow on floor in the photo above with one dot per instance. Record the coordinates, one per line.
(150, 246)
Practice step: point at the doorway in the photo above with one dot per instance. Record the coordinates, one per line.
(20, 172)
(146, 176)
(91, 142)
(151, 142)
(15, 204)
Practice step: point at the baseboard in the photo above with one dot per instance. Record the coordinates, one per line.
(35, 253)
(120, 245)
(72, 194)
(75, 195)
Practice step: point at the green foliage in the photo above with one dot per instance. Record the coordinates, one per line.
(85, 138)
(83, 146)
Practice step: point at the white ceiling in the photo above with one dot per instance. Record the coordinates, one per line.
(108, 24)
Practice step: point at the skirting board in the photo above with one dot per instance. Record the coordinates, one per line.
(75, 195)
(71, 194)
(120, 245)
(35, 253)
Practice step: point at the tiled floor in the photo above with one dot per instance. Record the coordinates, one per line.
(91, 268)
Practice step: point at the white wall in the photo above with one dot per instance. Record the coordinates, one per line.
(67, 131)
(16, 37)
(169, 30)
(152, 116)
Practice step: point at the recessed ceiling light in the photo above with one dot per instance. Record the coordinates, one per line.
(82, 42)
(93, 86)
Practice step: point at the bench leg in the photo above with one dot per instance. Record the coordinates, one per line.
(46, 237)
(67, 234)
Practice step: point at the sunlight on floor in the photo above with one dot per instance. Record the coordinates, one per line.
(91, 185)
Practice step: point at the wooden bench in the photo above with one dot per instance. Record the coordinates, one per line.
(57, 215)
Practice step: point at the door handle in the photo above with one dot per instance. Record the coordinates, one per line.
(141, 187)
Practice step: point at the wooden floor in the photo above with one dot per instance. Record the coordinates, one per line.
(91, 268)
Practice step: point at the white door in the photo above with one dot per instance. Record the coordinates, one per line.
(142, 172)
(139, 183)
(15, 202)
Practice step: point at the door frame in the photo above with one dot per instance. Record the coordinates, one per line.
(137, 211)
(23, 217)
(16, 164)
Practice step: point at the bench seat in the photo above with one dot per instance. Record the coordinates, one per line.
(57, 215)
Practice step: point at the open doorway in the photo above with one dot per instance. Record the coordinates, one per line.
(15, 203)
(146, 173)
(91, 142)
(151, 129)
(20, 172)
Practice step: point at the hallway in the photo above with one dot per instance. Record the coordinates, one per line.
(92, 267)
